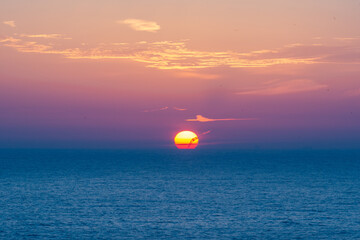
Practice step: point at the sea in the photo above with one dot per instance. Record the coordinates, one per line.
(177, 194)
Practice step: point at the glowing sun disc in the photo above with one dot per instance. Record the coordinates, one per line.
(186, 140)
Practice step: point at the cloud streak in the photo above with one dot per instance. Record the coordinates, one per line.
(46, 36)
(170, 55)
(10, 23)
(192, 74)
(179, 109)
(165, 108)
(292, 86)
(200, 118)
(207, 132)
(161, 55)
(141, 25)
(156, 109)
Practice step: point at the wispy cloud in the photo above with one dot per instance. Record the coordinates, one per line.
(177, 56)
(200, 118)
(35, 47)
(162, 55)
(347, 38)
(10, 23)
(156, 109)
(9, 40)
(207, 132)
(292, 86)
(53, 35)
(179, 109)
(197, 75)
(165, 108)
(141, 25)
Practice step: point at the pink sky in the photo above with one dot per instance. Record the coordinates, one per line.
(131, 73)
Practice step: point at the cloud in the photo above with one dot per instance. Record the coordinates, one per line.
(44, 36)
(172, 55)
(207, 132)
(141, 25)
(165, 108)
(164, 55)
(292, 86)
(10, 23)
(35, 47)
(200, 118)
(156, 109)
(9, 40)
(187, 74)
(179, 109)
(347, 38)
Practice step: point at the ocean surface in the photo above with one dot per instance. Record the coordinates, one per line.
(172, 194)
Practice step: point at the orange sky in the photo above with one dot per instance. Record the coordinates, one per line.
(119, 73)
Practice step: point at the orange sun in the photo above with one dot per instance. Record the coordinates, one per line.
(186, 140)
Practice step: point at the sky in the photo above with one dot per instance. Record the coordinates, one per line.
(132, 74)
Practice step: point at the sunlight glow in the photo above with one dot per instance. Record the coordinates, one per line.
(186, 140)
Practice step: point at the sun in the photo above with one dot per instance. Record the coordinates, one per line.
(186, 140)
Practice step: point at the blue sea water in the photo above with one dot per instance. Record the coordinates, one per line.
(171, 194)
